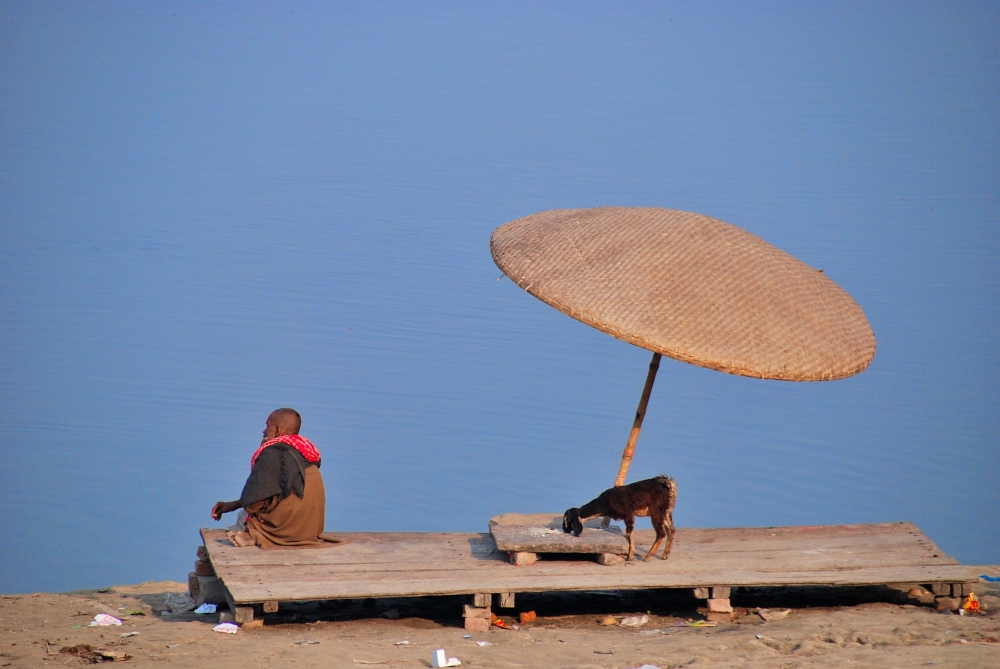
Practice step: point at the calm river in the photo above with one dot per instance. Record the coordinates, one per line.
(211, 211)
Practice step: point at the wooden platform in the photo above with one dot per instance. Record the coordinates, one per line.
(414, 564)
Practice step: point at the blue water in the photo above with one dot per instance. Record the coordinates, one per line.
(209, 212)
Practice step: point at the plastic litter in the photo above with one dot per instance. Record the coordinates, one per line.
(132, 633)
(485, 643)
(402, 643)
(439, 659)
(694, 623)
(607, 621)
(206, 608)
(181, 603)
(971, 603)
(466, 636)
(104, 620)
(528, 617)
(226, 628)
(648, 666)
(306, 642)
(773, 614)
(634, 621)
(991, 579)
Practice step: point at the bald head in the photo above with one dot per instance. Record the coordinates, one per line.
(282, 422)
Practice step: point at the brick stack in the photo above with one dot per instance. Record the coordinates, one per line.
(203, 584)
(719, 608)
(478, 615)
(949, 596)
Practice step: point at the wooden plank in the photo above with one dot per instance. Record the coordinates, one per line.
(458, 583)
(458, 547)
(681, 558)
(553, 520)
(415, 547)
(675, 564)
(541, 539)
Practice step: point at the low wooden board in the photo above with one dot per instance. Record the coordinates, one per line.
(544, 539)
(411, 564)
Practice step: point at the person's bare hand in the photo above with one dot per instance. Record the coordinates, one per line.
(223, 507)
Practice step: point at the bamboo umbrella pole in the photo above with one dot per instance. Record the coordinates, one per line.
(640, 413)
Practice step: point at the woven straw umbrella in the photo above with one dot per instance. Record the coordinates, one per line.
(690, 287)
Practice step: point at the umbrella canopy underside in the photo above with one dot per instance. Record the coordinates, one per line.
(690, 287)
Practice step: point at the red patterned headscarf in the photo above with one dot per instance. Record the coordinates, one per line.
(299, 443)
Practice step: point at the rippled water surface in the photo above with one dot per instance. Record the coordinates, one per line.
(211, 212)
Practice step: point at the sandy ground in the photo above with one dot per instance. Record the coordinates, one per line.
(827, 627)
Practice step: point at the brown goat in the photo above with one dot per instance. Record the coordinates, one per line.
(653, 497)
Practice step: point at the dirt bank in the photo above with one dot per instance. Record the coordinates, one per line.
(827, 627)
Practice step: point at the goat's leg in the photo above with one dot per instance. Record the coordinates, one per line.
(658, 526)
(652, 549)
(669, 526)
(629, 524)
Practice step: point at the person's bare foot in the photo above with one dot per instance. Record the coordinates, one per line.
(241, 539)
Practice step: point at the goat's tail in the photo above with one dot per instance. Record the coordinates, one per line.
(670, 484)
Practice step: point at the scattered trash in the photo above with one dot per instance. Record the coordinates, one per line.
(226, 628)
(604, 652)
(466, 636)
(971, 603)
(404, 643)
(528, 617)
(763, 637)
(134, 613)
(502, 625)
(104, 620)
(485, 643)
(607, 621)
(545, 571)
(307, 642)
(122, 608)
(656, 631)
(252, 624)
(991, 579)
(181, 603)
(93, 655)
(694, 623)
(634, 621)
(773, 614)
(132, 633)
(439, 659)
(391, 614)
(172, 645)
(648, 666)
(206, 608)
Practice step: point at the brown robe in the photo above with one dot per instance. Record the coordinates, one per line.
(292, 522)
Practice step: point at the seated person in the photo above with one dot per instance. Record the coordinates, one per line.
(284, 495)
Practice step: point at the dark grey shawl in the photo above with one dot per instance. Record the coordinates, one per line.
(279, 470)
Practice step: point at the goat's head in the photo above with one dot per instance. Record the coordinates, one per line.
(572, 522)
